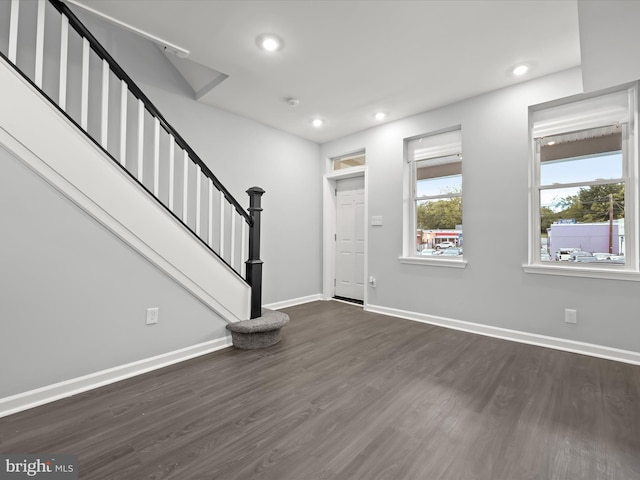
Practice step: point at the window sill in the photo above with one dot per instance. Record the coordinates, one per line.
(434, 262)
(584, 272)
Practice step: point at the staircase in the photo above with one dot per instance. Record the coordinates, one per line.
(128, 167)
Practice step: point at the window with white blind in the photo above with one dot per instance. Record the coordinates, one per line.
(583, 189)
(434, 220)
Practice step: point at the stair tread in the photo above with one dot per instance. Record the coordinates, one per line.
(269, 320)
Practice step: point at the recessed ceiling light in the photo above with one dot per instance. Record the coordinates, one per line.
(269, 42)
(380, 116)
(317, 122)
(520, 70)
(551, 143)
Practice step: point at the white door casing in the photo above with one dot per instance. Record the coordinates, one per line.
(350, 238)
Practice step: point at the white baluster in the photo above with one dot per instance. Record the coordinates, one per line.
(185, 186)
(39, 44)
(222, 202)
(140, 139)
(64, 53)
(172, 171)
(104, 122)
(233, 237)
(244, 248)
(13, 30)
(198, 199)
(156, 156)
(124, 91)
(210, 223)
(84, 95)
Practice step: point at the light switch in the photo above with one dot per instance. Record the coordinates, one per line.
(376, 220)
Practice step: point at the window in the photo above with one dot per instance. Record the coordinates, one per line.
(435, 167)
(349, 161)
(583, 192)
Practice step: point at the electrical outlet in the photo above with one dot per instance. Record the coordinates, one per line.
(152, 315)
(570, 316)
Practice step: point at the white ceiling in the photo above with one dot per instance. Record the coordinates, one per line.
(346, 59)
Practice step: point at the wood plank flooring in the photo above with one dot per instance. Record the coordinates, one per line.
(353, 395)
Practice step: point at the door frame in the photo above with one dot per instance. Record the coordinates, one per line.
(329, 218)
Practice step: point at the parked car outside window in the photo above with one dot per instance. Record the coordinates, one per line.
(580, 256)
(564, 254)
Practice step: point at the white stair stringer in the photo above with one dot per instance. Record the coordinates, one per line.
(52, 146)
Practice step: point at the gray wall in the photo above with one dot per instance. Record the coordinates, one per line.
(609, 38)
(493, 289)
(241, 153)
(73, 297)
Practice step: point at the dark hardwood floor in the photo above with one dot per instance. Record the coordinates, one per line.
(353, 395)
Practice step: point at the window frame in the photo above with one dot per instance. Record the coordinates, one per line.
(349, 156)
(628, 271)
(412, 199)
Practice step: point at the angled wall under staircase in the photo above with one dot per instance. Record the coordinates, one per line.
(73, 164)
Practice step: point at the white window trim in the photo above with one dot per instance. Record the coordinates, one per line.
(347, 173)
(628, 272)
(581, 271)
(356, 153)
(409, 256)
(435, 262)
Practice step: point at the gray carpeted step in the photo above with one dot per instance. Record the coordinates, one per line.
(260, 332)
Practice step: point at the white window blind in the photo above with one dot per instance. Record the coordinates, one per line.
(447, 144)
(610, 109)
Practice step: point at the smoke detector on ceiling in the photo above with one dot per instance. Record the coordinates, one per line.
(293, 102)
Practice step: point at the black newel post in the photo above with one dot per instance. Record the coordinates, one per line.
(254, 264)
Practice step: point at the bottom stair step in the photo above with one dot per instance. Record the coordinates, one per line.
(259, 332)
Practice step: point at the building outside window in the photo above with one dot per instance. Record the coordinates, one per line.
(583, 188)
(435, 162)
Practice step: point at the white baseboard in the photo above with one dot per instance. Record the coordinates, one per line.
(294, 301)
(572, 346)
(50, 393)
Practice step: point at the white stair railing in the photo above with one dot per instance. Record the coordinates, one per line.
(70, 67)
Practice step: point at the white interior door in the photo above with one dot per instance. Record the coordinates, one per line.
(350, 238)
